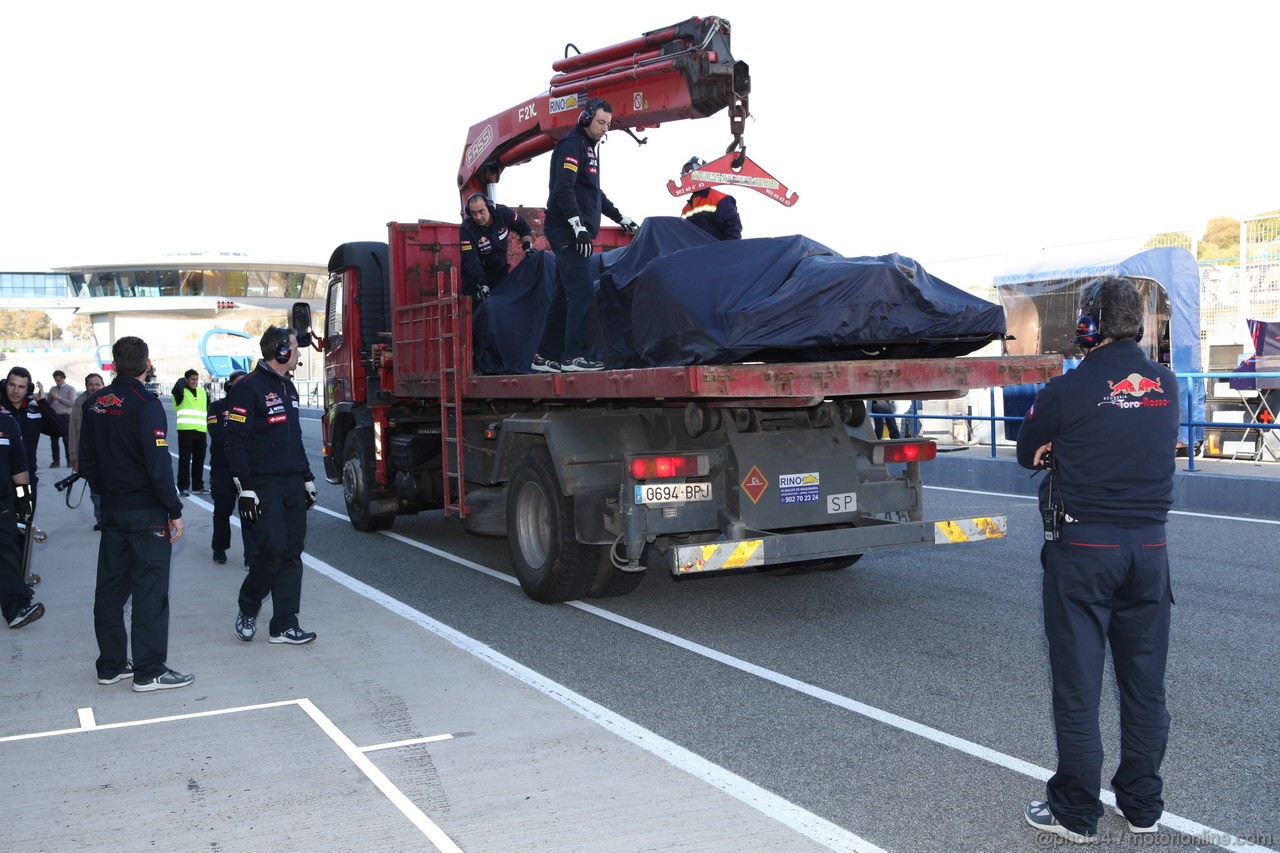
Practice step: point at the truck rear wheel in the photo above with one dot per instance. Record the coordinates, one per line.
(551, 564)
(357, 482)
(612, 581)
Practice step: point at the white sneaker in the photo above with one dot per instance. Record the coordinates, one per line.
(1141, 830)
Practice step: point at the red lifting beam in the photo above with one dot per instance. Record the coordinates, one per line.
(616, 51)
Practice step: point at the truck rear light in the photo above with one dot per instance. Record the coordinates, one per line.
(661, 467)
(904, 451)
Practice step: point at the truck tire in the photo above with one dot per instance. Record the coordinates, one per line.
(551, 564)
(357, 479)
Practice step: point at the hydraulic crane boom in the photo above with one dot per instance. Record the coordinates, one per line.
(679, 72)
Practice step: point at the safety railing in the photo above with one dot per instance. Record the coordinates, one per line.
(1188, 426)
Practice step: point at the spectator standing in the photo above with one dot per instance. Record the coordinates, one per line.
(191, 406)
(61, 397)
(92, 385)
(124, 454)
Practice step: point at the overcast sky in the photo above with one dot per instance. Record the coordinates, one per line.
(938, 130)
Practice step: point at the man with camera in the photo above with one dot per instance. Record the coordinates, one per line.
(124, 454)
(17, 504)
(92, 385)
(1106, 431)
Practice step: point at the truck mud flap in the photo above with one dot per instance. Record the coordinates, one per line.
(780, 549)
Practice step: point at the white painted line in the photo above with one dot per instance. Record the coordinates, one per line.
(396, 744)
(770, 805)
(131, 723)
(1171, 512)
(434, 833)
(938, 736)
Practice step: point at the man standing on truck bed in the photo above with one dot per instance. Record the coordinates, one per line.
(572, 223)
(1111, 425)
(482, 239)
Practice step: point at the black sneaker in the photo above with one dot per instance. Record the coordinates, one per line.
(201, 491)
(219, 556)
(545, 365)
(1039, 816)
(33, 611)
(168, 680)
(98, 526)
(127, 672)
(1133, 827)
(295, 636)
(184, 493)
(582, 365)
(56, 464)
(246, 626)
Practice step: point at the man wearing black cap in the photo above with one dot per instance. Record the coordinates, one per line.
(224, 488)
(711, 210)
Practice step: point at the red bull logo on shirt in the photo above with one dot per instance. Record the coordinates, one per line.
(1135, 385)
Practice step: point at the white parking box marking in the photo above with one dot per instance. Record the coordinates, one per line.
(396, 744)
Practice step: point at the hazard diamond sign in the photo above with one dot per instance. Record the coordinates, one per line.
(754, 484)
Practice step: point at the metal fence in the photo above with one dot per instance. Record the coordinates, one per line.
(1261, 420)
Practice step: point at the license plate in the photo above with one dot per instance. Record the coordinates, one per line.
(673, 493)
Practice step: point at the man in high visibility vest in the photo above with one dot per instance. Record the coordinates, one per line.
(711, 210)
(191, 405)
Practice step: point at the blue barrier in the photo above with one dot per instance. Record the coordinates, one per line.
(915, 415)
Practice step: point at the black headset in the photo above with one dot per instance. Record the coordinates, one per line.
(466, 205)
(589, 111)
(1088, 326)
(275, 344)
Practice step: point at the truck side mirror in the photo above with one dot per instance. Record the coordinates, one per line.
(301, 317)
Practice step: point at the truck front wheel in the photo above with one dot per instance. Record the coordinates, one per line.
(357, 482)
(551, 564)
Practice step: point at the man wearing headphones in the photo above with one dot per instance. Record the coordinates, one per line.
(711, 210)
(1106, 431)
(483, 237)
(572, 223)
(270, 470)
(225, 496)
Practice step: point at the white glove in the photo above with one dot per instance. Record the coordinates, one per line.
(248, 502)
(629, 225)
(313, 497)
(482, 293)
(581, 235)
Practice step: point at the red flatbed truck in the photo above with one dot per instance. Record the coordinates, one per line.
(597, 478)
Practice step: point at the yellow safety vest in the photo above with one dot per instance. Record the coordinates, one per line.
(193, 410)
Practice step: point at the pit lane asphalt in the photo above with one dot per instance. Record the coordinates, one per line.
(949, 638)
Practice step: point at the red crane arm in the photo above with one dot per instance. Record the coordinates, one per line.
(679, 72)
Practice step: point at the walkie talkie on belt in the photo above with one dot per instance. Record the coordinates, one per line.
(1051, 515)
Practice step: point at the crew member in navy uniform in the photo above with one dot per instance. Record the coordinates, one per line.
(1107, 432)
(270, 469)
(224, 489)
(483, 238)
(124, 455)
(711, 210)
(16, 504)
(34, 421)
(572, 223)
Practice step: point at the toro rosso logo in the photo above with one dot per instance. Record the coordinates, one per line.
(1135, 385)
(110, 400)
(1129, 391)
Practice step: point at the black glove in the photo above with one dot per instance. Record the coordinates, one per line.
(313, 497)
(529, 251)
(482, 293)
(628, 225)
(582, 236)
(24, 502)
(248, 503)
